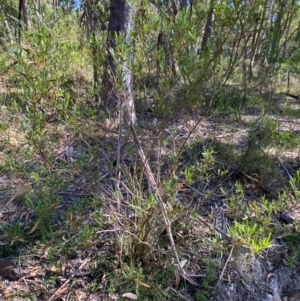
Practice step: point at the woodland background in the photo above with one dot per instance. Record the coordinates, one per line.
(149, 150)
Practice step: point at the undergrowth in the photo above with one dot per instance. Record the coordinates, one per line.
(69, 199)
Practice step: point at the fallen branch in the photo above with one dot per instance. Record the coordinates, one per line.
(292, 95)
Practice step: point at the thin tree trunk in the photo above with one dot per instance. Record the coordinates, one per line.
(23, 11)
(164, 43)
(91, 27)
(55, 4)
(117, 94)
(256, 40)
(277, 30)
(210, 19)
(37, 8)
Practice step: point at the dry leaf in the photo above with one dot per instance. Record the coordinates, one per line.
(34, 272)
(14, 138)
(62, 290)
(35, 226)
(189, 279)
(130, 296)
(53, 205)
(182, 263)
(81, 295)
(53, 269)
(7, 293)
(142, 283)
(44, 252)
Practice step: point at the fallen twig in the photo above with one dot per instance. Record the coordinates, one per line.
(225, 266)
(59, 289)
(212, 227)
(285, 169)
(292, 95)
(180, 295)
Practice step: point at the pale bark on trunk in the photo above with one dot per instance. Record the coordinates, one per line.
(257, 40)
(38, 10)
(117, 80)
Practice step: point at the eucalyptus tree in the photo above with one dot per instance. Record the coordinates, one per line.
(23, 16)
(267, 26)
(23, 13)
(210, 19)
(118, 78)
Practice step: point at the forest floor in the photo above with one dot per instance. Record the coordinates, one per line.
(68, 234)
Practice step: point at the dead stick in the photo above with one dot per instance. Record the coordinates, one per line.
(225, 266)
(212, 227)
(153, 185)
(59, 290)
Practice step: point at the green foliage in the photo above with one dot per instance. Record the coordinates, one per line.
(262, 137)
(211, 267)
(251, 235)
(53, 136)
(201, 170)
(13, 233)
(252, 222)
(292, 256)
(43, 206)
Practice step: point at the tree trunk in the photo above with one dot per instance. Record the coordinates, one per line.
(208, 26)
(277, 30)
(55, 4)
(90, 17)
(23, 11)
(256, 40)
(164, 39)
(38, 10)
(117, 78)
